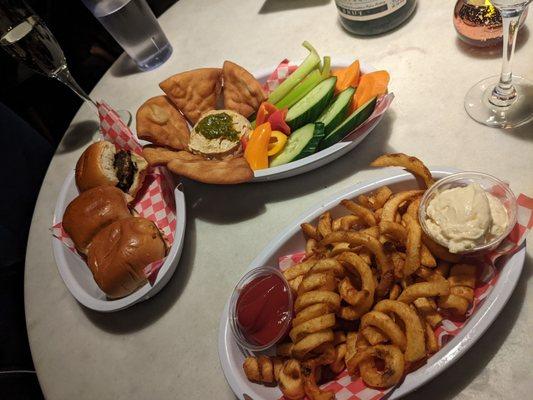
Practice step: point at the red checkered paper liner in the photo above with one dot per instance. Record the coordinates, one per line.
(348, 387)
(285, 68)
(155, 201)
(282, 71)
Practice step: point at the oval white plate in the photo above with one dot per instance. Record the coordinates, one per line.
(291, 241)
(318, 159)
(79, 279)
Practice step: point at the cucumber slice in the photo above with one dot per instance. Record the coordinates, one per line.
(352, 122)
(337, 111)
(309, 64)
(318, 135)
(311, 105)
(298, 140)
(300, 90)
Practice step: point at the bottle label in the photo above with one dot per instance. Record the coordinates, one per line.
(365, 10)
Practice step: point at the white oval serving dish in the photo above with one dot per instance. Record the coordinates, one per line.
(291, 241)
(79, 279)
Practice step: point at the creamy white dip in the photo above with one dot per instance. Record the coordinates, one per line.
(465, 217)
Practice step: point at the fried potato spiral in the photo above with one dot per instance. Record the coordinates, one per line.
(315, 307)
(392, 372)
(462, 281)
(262, 369)
(291, 381)
(415, 346)
(373, 245)
(386, 325)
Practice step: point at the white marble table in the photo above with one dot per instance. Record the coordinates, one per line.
(166, 348)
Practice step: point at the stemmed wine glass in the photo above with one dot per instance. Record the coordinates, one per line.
(27, 38)
(504, 101)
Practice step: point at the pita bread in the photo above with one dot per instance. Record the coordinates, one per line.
(159, 122)
(218, 172)
(242, 92)
(194, 92)
(158, 155)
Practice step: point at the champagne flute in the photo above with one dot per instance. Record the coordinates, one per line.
(503, 101)
(27, 38)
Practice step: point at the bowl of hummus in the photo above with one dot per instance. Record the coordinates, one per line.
(468, 212)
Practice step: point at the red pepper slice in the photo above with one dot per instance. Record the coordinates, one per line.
(244, 141)
(265, 111)
(277, 121)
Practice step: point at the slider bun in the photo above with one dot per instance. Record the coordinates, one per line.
(93, 210)
(96, 167)
(119, 253)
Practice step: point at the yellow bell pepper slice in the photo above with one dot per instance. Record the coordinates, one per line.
(257, 148)
(277, 142)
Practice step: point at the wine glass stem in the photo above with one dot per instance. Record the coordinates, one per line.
(63, 75)
(504, 93)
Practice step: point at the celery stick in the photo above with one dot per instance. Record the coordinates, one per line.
(311, 61)
(301, 89)
(305, 86)
(326, 67)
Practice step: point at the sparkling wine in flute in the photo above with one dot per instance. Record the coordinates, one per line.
(28, 39)
(32, 43)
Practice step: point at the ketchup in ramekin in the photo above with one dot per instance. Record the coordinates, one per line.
(261, 308)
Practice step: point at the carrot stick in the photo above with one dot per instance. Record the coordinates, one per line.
(370, 85)
(347, 77)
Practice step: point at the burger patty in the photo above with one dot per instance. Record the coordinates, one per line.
(125, 169)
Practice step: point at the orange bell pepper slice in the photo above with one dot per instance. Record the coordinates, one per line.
(264, 112)
(256, 152)
(347, 77)
(370, 85)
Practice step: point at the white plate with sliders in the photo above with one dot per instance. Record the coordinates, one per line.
(79, 279)
(291, 241)
(319, 158)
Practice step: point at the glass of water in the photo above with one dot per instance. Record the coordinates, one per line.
(504, 101)
(134, 26)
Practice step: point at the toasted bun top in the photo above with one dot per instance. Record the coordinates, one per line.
(91, 211)
(95, 166)
(119, 253)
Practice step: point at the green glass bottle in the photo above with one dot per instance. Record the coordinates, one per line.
(371, 17)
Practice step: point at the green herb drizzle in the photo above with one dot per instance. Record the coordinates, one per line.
(216, 126)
